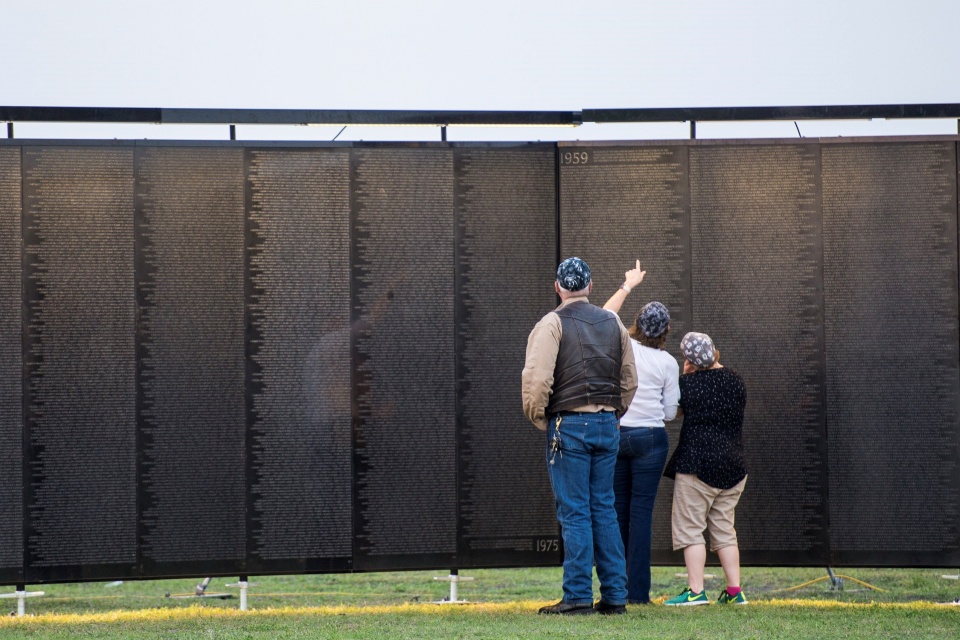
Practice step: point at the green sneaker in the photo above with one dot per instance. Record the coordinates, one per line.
(688, 598)
(726, 598)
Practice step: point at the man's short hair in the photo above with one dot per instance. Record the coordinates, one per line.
(573, 274)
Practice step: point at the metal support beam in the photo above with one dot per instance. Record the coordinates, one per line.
(693, 129)
(343, 117)
(743, 114)
(291, 116)
(443, 119)
(233, 132)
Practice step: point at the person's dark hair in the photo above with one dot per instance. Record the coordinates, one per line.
(654, 343)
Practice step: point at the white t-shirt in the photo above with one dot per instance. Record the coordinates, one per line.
(658, 388)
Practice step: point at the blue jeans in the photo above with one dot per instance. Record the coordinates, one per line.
(643, 452)
(582, 479)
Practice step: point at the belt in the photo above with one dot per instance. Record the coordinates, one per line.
(564, 414)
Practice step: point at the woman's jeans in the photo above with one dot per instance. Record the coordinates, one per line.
(643, 453)
(581, 473)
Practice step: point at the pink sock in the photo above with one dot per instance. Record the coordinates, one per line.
(733, 590)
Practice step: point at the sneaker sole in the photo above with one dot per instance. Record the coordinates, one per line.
(686, 604)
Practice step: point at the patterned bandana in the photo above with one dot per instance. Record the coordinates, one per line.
(698, 349)
(573, 274)
(653, 319)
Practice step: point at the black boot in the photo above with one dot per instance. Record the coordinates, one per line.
(603, 608)
(567, 609)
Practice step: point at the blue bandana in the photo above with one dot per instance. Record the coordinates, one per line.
(653, 319)
(573, 274)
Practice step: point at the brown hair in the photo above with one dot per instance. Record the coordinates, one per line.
(654, 343)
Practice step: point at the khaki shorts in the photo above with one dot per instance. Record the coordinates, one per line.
(698, 506)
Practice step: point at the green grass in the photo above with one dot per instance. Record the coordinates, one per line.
(503, 605)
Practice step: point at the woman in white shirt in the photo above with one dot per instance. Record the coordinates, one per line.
(643, 438)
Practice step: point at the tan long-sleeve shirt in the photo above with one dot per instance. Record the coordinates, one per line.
(543, 345)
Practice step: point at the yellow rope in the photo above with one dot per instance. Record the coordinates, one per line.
(821, 578)
(807, 583)
(861, 582)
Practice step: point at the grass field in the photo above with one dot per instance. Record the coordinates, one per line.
(503, 604)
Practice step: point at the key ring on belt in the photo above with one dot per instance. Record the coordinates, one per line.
(556, 443)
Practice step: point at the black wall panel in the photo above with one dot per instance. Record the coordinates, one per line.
(298, 365)
(506, 245)
(890, 289)
(623, 203)
(404, 421)
(80, 488)
(755, 242)
(11, 374)
(190, 295)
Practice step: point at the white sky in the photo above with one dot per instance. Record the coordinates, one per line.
(495, 54)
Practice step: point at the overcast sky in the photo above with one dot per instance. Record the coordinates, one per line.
(496, 54)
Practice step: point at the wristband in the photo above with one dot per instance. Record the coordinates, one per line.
(625, 288)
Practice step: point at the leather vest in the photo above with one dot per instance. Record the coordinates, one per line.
(588, 362)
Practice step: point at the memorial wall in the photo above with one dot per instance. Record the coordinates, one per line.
(257, 358)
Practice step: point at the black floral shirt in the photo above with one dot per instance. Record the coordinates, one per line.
(711, 438)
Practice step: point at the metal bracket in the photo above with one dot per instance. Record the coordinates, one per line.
(454, 578)
(244, 585)
(21, 594)
(200, 591)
